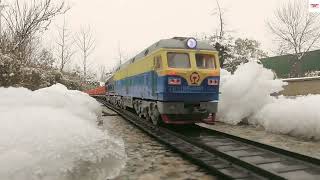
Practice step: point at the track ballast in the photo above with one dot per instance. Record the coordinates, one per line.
(227, 156)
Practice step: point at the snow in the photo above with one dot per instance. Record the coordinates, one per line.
(51, 134)
(245, 92)
(297, 117)
(246, 95)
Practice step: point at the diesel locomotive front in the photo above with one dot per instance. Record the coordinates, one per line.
(174, 81)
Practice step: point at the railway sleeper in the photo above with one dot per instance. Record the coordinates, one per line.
(231, 164)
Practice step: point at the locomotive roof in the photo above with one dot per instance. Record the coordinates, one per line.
(173, 43)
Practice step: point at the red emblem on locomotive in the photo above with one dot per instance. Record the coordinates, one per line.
(194, 78)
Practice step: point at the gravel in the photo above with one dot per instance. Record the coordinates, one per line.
(147, 158)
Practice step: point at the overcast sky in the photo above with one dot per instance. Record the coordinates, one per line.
(136, 24)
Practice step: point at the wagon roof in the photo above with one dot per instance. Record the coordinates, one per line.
(173, 43)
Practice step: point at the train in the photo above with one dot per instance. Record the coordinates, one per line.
(173, 81)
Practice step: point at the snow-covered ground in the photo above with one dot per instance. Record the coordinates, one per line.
(51, 134)
(246, 96)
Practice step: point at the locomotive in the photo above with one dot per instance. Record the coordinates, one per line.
(174, 81)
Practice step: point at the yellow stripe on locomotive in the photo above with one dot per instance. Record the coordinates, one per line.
(158, 61)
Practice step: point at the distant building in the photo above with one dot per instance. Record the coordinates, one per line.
(281, 65)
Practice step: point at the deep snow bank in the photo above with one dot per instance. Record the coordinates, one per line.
(246, 95)
(246, 92)
(297, 117)
(51, 134)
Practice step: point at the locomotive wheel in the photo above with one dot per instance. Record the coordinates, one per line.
(136, 106)
(139, 109)
(123, 106)
(155, 116)
(146, 114)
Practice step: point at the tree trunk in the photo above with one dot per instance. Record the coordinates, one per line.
(296, 69)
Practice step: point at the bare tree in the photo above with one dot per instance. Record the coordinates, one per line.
(65, 51)
(220, 13)
(102, 73)
(296, 30)
(24, 19)
(86, 43)
(220, 40)
(120, 55)
(2, 6)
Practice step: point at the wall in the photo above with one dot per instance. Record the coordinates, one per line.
(301, 86)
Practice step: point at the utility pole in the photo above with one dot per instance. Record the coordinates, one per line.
(2, 6)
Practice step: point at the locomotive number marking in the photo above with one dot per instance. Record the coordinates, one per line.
(194, 78)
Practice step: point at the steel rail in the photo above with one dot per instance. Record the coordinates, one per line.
(297, 156)
(265, 160)
(228, 156)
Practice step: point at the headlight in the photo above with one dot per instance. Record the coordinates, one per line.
(192, 43)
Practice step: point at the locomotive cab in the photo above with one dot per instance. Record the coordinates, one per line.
(188, 84)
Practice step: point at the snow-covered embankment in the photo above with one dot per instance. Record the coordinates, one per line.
(246, 95)
(51, 134)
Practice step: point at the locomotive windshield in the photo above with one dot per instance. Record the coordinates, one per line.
(179, 60)
(205, 61)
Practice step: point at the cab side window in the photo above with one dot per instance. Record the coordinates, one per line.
(158, 62)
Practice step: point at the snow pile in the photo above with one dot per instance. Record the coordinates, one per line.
(246, 92)
(51, 134)
(224, 76)
(297, 117)
(246, 96)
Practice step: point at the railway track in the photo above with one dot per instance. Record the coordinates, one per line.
(227, 156)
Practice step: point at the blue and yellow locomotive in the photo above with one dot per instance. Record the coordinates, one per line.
(174, 81)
